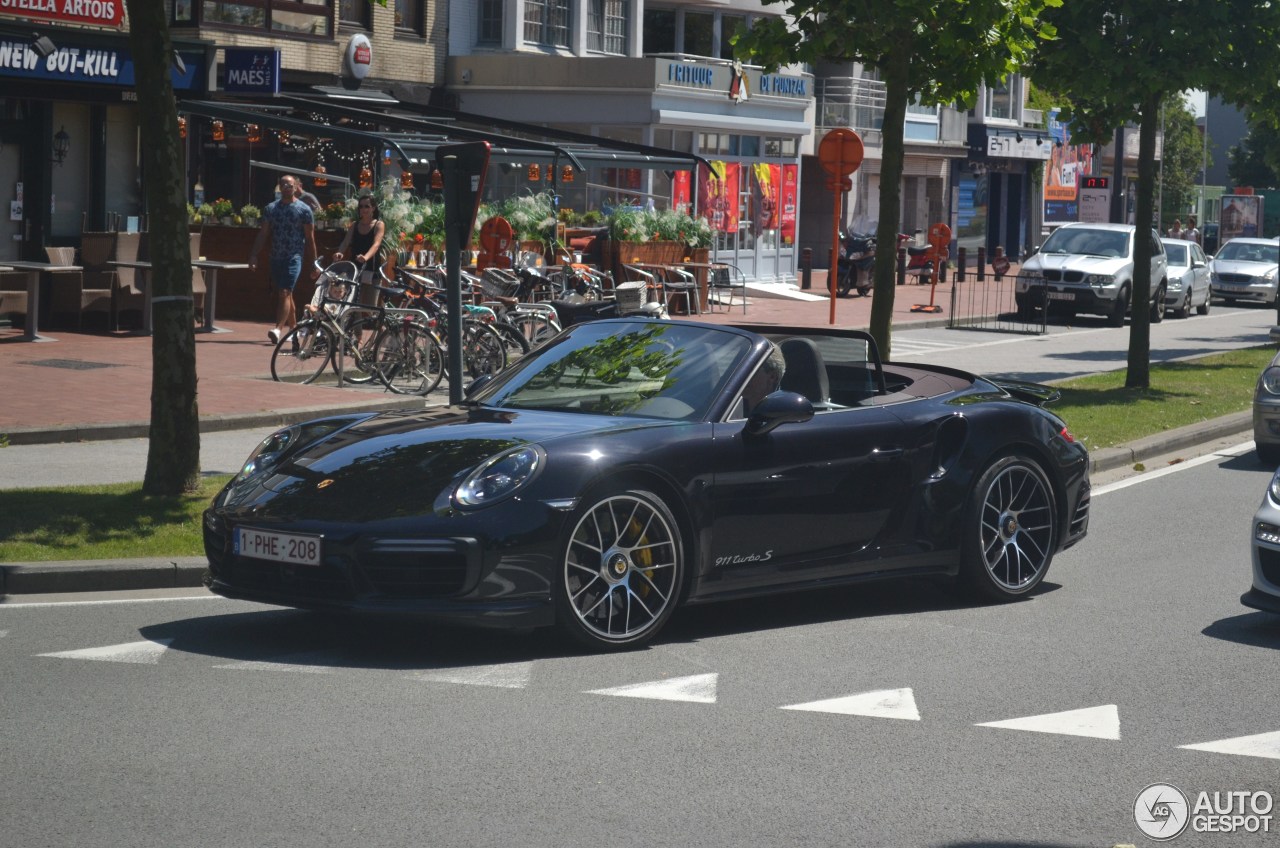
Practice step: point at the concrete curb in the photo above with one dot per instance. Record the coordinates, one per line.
(34, 578)
(1240, 423)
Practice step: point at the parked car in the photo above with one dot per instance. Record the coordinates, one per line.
(1266, 413)
(1264, 532)
(630, 466)
(1089, 268)
(1188, 278)
(1246, 269)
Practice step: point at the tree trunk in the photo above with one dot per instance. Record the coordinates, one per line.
(1138, 375)
(173, 457)
(885, 274)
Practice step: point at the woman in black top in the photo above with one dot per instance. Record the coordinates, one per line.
(364, 241)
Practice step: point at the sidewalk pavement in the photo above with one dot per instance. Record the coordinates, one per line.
(97, 385)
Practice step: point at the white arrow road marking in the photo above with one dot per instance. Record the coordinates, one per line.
(1262, 745)
(1098, 722)
(504, 676)
(288, 662)
(883, 703)
(699, 688)
(147, 652)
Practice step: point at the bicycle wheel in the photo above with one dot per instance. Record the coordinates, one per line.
(302, 354)
(357, 360)
(514, 341)
(535, 327)
(407, 359)
(483, 350)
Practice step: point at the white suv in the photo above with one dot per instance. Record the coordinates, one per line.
(1089, 268)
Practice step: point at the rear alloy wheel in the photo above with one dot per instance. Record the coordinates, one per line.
(1013, 529)
(621, 572)
(1157, 305)
(1184, 308)
(1203, 309)
(1118, 309)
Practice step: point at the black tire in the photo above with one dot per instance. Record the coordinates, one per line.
(1118, 309)
(1011, 529)
(517, 344)
(1184, 308)
(358, 369)
(1268, 455)
(302, 354)
(621, 570)
(1026, 312)
(408, 360)
(1203, 309)
(483, 350)
(1157, 306)
(537, 328)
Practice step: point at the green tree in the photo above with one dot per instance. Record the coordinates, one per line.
(940, 52)
(173, 454)
(1182, 159)
(1121, 61)
(1255, 161)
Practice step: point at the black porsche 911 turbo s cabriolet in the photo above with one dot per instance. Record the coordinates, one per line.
(630, 466)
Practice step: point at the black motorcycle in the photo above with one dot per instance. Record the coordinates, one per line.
(857, 256)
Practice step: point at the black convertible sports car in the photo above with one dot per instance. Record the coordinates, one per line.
(633, 465)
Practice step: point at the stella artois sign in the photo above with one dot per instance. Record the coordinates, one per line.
(96, 12)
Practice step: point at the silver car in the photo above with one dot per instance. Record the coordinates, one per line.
(1246, 269)
(1188, 278)
(1265, 541)
(1266, 413)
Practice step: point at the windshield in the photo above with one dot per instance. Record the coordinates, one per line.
(1078, 240)
(637, 368)
(1243, 251)
(1177, 253)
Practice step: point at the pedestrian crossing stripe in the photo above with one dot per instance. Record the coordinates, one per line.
(698, 688)
(1097, 722)
(289, 662)
(1260, 745)
(502, 676)
(882, 703)
(147, 652)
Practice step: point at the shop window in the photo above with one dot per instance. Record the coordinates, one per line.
(355, 13)
(490, 29)
(1000, 99)
(730, 25)
(279, 17)
(659, 31)
(546, 22)
(181, 12)
(408, 16)
(607, 25)
(714, 143)
(698, 31)
(749, 146)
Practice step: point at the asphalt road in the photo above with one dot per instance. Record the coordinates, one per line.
(858, 717)
(1085, 347)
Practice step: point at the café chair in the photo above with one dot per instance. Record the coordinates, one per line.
(723, 280)
(678, 283)
(68, 293)
(13, 293)
(127, 293)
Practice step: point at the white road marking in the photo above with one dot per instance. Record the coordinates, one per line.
(47, 604)
(503, 676)
(1262, 745)
(147, 652)
(288, 662)
(883, 703)
(698, 688)
(1146, 477)
(1097, 722)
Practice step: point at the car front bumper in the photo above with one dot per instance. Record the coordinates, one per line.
(1260, 292)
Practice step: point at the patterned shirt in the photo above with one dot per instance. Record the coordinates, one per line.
(287, 222)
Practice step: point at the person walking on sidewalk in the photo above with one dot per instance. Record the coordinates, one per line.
(290, 226)
(363, 242)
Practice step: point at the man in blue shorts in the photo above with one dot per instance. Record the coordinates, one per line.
(291, 227)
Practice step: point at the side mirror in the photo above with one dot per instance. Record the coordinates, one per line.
(480, 382)
(777, 409)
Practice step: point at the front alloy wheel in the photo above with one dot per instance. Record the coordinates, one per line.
(1014, 529)
(622, 571)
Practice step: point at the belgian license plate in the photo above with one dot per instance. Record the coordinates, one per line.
(277, 547)
(1233, 287)
(1060, 295)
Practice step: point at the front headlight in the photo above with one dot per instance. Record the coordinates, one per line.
(268, 454)
(1270, 276)
(1274, 489)
(499, 477)
(1270, 380)
(1100, 279)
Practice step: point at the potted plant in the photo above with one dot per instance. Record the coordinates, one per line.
(250, 214)
(222, 210)
(204, 214)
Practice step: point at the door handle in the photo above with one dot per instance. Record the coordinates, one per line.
(885, 454)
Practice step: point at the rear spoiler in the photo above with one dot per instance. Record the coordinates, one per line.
(1037, 393)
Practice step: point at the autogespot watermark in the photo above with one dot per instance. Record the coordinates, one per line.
(1164, 812)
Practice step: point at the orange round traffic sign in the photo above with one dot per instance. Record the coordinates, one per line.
(940, 236)
(840, 152)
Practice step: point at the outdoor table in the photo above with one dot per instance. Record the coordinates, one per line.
(31, 333)
(143, 267)
(211, 289)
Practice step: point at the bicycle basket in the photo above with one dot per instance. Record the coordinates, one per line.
(493, 285)
(630, 296)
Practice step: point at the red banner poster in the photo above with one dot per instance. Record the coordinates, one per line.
(718, 195)
(96, 12)
(681, 191)
(768, 178)
(787, 196)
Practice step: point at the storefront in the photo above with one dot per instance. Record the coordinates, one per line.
(751, 127)
(998, 189)
(69, 143)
